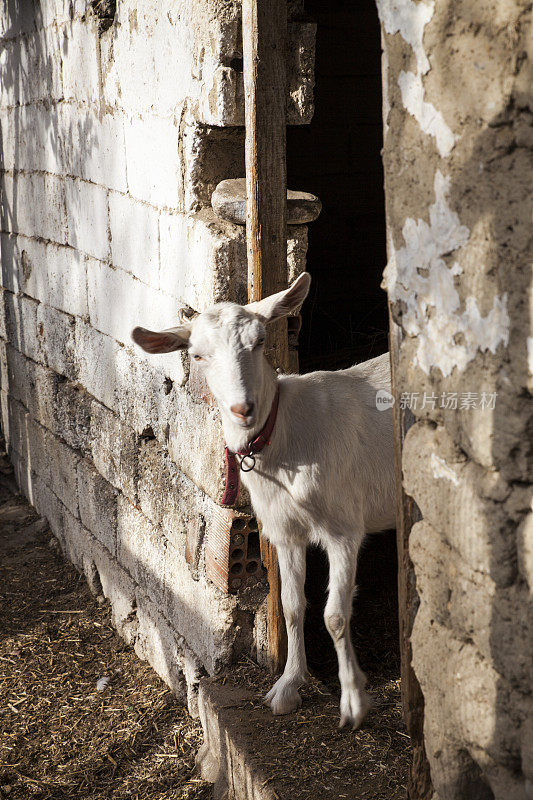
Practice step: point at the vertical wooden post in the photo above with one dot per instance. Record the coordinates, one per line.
(407, 513)
(264, 31)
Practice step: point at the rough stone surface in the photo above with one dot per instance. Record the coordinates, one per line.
(457, 104)
(229, 203)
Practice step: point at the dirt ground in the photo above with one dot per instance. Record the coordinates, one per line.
(59, 736)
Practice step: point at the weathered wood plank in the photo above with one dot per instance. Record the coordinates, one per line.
(264, 25)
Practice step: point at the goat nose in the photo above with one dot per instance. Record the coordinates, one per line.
(242, 409)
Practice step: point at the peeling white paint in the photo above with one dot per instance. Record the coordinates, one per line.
(442, 470)
(409, 19)
(447, 337)
(430, 120)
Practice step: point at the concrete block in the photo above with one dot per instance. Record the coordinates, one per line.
(114, 449)
(21, 325)
(80, 71)
(156, 643)
(32, 385)
(87, 217)
(31, 138)
(144, 44)
(73, 416)
(36, 54)
(56, 341)
(96, 356)
(153, 164)
(14, 20)
(202, 239)
(148, 395)
(93, 146)
(196, 445)
(49, 506)
(34, 204)
(166, 496)
(134, 238)
(203, 615)
(98, 505)
(141, 550)
(134, 303)
(118, 587)
(52, 274)
(63, 463)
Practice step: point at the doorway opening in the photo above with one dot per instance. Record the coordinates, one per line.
(345, 320)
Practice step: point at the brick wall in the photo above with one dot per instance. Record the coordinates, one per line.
(112, 140)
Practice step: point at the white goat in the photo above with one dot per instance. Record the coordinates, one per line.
(326, 477)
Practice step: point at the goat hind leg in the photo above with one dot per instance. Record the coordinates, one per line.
(355, 702)
(284, 695)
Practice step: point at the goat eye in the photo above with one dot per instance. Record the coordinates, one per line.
(197, 357)
(260, 342)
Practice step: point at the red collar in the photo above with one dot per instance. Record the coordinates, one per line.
(231, 489)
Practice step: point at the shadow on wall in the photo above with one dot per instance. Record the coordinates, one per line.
(48, 146)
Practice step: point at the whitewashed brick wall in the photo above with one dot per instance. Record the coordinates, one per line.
(111, 144)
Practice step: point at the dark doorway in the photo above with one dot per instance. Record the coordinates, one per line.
(338, 157)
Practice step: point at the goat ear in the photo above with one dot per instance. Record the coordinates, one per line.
(161, 341)
(280, 304)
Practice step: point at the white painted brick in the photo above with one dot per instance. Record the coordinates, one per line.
(141, 549)
(34, 205)
(134, 238)
(79, 46)
(55, 332)
(87, 217)
(145, 43)
(207, 624)
(63, 463)
(48, 505)
(98, 505)
(31, 384)
(200, 262)
(31, 138)
(21, 325)
(49, 273)
(93, 146)
(153, 161)
(117, 586)
(36, 55)
(16, 19)
(118, 302)
(9, 261)
(72, 415)
(114, 449)
(156, 643)
(96, 357)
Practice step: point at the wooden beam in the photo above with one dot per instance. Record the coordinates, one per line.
(264, 31)
(419, 785)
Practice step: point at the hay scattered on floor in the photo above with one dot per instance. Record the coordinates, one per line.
(59, 736)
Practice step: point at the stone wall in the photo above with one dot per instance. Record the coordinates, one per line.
(457, 154)
(114, 132)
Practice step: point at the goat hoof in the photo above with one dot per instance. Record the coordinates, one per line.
(284, 697)
(355, 705)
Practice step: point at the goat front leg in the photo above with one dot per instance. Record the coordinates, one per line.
(284, 695)
(355, 702)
